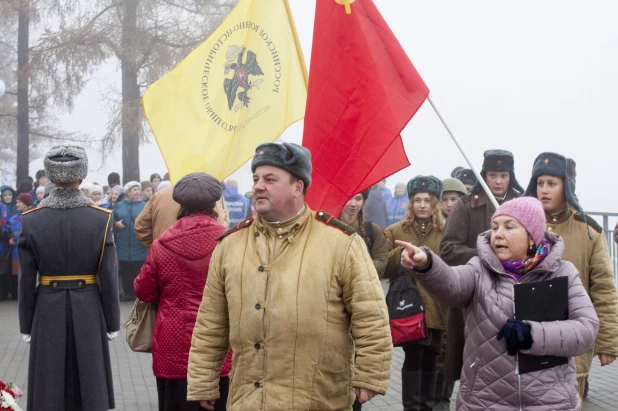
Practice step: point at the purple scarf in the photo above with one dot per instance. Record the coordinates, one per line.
(519, 268)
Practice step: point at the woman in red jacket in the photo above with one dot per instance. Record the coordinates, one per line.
(174, 274)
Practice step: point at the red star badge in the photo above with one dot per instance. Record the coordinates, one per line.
(261, 153)
(546, 161)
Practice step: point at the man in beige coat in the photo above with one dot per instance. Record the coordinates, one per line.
(553, 183)
(161, 213)
(296, 296)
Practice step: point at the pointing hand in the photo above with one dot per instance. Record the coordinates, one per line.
(412, 256)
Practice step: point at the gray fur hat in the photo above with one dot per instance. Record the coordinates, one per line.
(66, 164)
(290, 157)
(466, 176)
(425, 184)
(498, 161)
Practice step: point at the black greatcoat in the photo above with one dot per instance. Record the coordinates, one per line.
(70, 367)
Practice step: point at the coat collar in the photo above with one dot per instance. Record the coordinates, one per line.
(481, 199)
(559, 217)
(65, 198)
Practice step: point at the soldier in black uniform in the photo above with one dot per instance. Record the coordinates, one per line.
(71, 312)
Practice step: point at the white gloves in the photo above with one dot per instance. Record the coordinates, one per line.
(110, 336)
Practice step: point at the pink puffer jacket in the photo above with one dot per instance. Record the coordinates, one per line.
(485, 291)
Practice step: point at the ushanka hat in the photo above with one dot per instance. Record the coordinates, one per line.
(66, 164)
(290, 157)
(425, 184)
(553, 164)
(498, 161)
(466, 176)
(197, 191)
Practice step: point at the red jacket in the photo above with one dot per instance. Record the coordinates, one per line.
(175, 274)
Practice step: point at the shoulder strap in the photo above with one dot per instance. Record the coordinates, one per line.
(109, 219)
(370, 234)
(327, 219)
(239, 226)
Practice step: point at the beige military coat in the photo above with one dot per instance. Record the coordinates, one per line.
(591, 258)
(296, 302)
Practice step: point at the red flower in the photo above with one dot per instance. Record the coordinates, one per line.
(2, 386)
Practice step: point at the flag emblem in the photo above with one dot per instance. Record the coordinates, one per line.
(240, 79)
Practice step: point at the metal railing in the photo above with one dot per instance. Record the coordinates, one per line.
(608, 230)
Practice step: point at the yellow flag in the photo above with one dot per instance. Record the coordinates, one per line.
(243, 86)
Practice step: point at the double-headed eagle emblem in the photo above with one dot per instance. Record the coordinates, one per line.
(242, 72)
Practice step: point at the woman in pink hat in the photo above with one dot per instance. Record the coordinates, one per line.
(517, 249)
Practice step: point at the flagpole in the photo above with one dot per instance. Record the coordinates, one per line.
(480, 178)
(299, 50)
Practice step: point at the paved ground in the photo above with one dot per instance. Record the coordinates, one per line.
(135, 386)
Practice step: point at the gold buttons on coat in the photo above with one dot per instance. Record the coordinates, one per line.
(79, 284)
(550, 229)
(476, 197)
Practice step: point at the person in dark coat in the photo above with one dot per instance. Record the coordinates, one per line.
(375, 207)
(470, 217)
(237, 205)
(8, 199)
(131, 253)
(174, 275)
(5, 251)
(73, 313)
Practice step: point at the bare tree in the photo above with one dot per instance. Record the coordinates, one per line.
(148, 38)
(40, 81)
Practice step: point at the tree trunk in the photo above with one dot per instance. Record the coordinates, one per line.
(23, 80)
(131, 121)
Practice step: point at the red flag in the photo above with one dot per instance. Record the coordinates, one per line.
(363, 90)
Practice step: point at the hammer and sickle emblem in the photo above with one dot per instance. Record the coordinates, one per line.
(348, 5)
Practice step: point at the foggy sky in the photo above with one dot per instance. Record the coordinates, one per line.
(523, 76)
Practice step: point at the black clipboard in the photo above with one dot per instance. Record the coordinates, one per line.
(542, 301)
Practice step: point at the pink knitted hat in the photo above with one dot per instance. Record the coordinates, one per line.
(529, 212)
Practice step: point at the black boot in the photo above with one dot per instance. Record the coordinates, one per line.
(428, 390)
(411, 390)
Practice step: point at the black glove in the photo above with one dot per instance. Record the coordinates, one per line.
(517, 334)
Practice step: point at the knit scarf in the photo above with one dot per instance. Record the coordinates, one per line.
(519, 268)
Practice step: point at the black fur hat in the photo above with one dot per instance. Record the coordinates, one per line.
(556, 165)
(498, 161)
(290, 157)
(425, 184)
(466, 176)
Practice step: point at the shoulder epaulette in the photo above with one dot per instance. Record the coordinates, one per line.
(100, 208)
(32, 210)
(239, 226)
(333, 222)
(466, 198)
(583, 218)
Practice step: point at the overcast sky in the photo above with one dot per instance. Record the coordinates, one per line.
(527, 76)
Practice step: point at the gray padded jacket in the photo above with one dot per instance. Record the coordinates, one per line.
(485, 292)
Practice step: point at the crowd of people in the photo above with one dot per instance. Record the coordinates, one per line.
(263, 303)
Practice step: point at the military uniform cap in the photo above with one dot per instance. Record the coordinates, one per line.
(66, 164)
(290, 157)
(425, 184)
